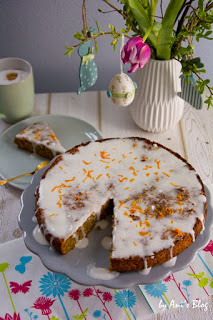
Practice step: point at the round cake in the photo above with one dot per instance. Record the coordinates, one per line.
(157, 199)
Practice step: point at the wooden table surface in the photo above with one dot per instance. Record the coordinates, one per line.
(192, 138)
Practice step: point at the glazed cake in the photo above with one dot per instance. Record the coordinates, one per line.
(39, 138)
(159, 203)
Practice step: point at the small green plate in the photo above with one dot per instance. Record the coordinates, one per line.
(14, 161)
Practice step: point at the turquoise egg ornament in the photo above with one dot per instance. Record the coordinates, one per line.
(122, 89)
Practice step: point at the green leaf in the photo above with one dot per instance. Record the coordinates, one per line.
(200, 5)
(3, 266)
(142, 19)
(203, 282)
(97, 26)
(69, 52)
(111, 27)
(165, 34)
(211, 284)
(114, 43)
(79, 36)
(96, 46)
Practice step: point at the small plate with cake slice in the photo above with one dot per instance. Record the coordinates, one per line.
(26, 144)
(116, 212)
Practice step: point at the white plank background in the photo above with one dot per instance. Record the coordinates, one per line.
(192, 138)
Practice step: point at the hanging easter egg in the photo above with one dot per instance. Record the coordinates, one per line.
(122, 89)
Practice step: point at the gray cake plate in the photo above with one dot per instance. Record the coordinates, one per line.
(75, 263)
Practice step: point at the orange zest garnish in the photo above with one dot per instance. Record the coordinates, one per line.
(171, 170)
(104, 155)
(52, 136)
(147, 167)
(99, 176)
(121, 180)
(88, 175)
(54, 214)
(174, 185)
(134, 243)
(37, 135)
(59, 201)
(126, 188)
(107, 174)
(143, 233)
(147, 174)
(70, 179)
(104, 161)
(144, 158)
(132, 180)
(134, 145)
(165, 174)
(158, 163)
(133, 169)
(86, 162)
(60, 167)
(121, 203)
(156, 179)
(124, 156)
(106, 167)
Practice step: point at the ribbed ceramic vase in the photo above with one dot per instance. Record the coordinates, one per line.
(156, 106)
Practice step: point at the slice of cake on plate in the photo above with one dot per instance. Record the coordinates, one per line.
(39, 138)
(159, 202)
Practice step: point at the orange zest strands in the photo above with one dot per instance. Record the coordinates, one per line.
(52, 136)
(133, 169)
(174, 185)
(135, 158)
(134, 243)
(179, 233)
(95, 154)
(134, 145)
(147, 174)
(52, 215)
(132, 180)
(124, 156)
(104, 155)
(121, 203)
(140, 223)
(156, 173)
(70, 179)
(60, 167)
(119, 161)
(130, 152)
(99, 176)
(113, 160)
(107, 174)
(126, 188)
(147, 167)
(172, 221)
(37, 135)
(143, 233)
(165, 174)
(86, 162)
(106, 167)
(121, 180)
(88, 175)
(158, 163)
(104, 161)
(147, 222)
(78, 198)
(125, 214)
(120, 175)
(60, 187)
(171, 170)
(180, 211)
(59, 201)
(144, 158)
(133, 207)
(156, 179)
(113, 148)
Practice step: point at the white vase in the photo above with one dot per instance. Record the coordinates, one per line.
(156, 106)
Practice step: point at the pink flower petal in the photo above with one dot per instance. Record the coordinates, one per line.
(133, 68)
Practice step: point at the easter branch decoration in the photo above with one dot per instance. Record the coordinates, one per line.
(169, 36)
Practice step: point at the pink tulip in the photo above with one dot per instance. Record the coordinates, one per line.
(135, 52)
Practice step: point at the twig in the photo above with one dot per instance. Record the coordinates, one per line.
(161, 8)
(106, 11)
(181, 21)
(123, 15)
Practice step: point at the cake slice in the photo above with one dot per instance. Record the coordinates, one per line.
(39, 138)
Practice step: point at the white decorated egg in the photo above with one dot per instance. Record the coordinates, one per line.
(122, 89)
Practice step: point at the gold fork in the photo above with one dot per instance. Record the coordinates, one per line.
(41, 165)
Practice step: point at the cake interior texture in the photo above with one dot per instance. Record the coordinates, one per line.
(158, 200)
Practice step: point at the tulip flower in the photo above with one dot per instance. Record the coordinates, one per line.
(135, 52)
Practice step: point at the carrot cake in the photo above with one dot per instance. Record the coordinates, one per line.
(158, 200)
(39, 138)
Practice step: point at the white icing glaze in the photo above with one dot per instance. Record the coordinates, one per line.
(40, 133)
(156, 197)
(102, 224)
(170, 263)
(83, 243)
(146, 271)
(101, 273)
(171, 252)
(106, 243)
(38, 236)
